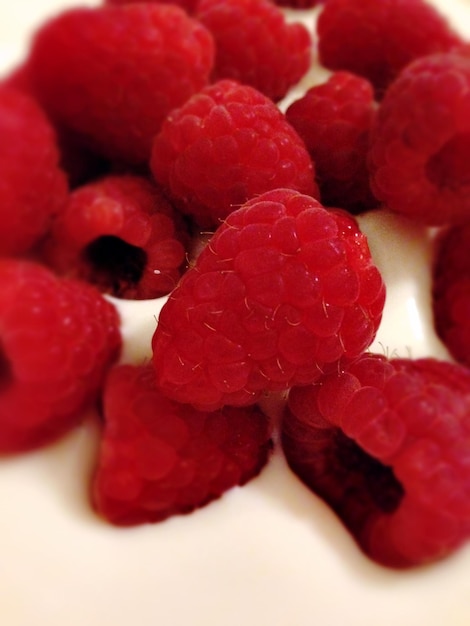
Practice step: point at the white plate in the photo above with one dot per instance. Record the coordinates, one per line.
(269, 553)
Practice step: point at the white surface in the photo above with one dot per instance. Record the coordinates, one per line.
(269, 554)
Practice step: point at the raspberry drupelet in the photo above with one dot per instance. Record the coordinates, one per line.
(224, 146)
(378, 38)
(121, 234)
(159, 458)
(57, 340)
(284, 290)
(256, 45)
(334, 120)
(112, 74)
(385, 443)
(420, 141)
(33, 187)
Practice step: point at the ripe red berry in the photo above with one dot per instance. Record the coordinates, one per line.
(226, 145)
(283, 290)
(378, 38)
(112, 74)
(255, 44)
(120, 234)
(159, 458)
(33, 188)
(334, 120)
(385, 443)
(57, 339)
(451, 291)
(420, 143)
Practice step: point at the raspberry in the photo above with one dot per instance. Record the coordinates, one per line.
(188, 5)
(334, 120)
(57, 339)
(159, 458)
(283, 290)
(451, 291)
(33, 188)
(224, 146)
(112, 74)
(420, 143)
(385, 444)
(120, 234)
(255, 45)
(378, 38)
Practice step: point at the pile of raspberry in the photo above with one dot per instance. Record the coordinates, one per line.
(146, 153)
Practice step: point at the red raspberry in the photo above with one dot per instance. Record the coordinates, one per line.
(451, 291)
(159, 458)
(33, 188)
(378, 38)
(188, 5)
(334, 120)
(420, 143)
(120, 234)
(385, 444)
(283, 290)
(255, 45)
(113, 74)
(57, 339)
(226, 145)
